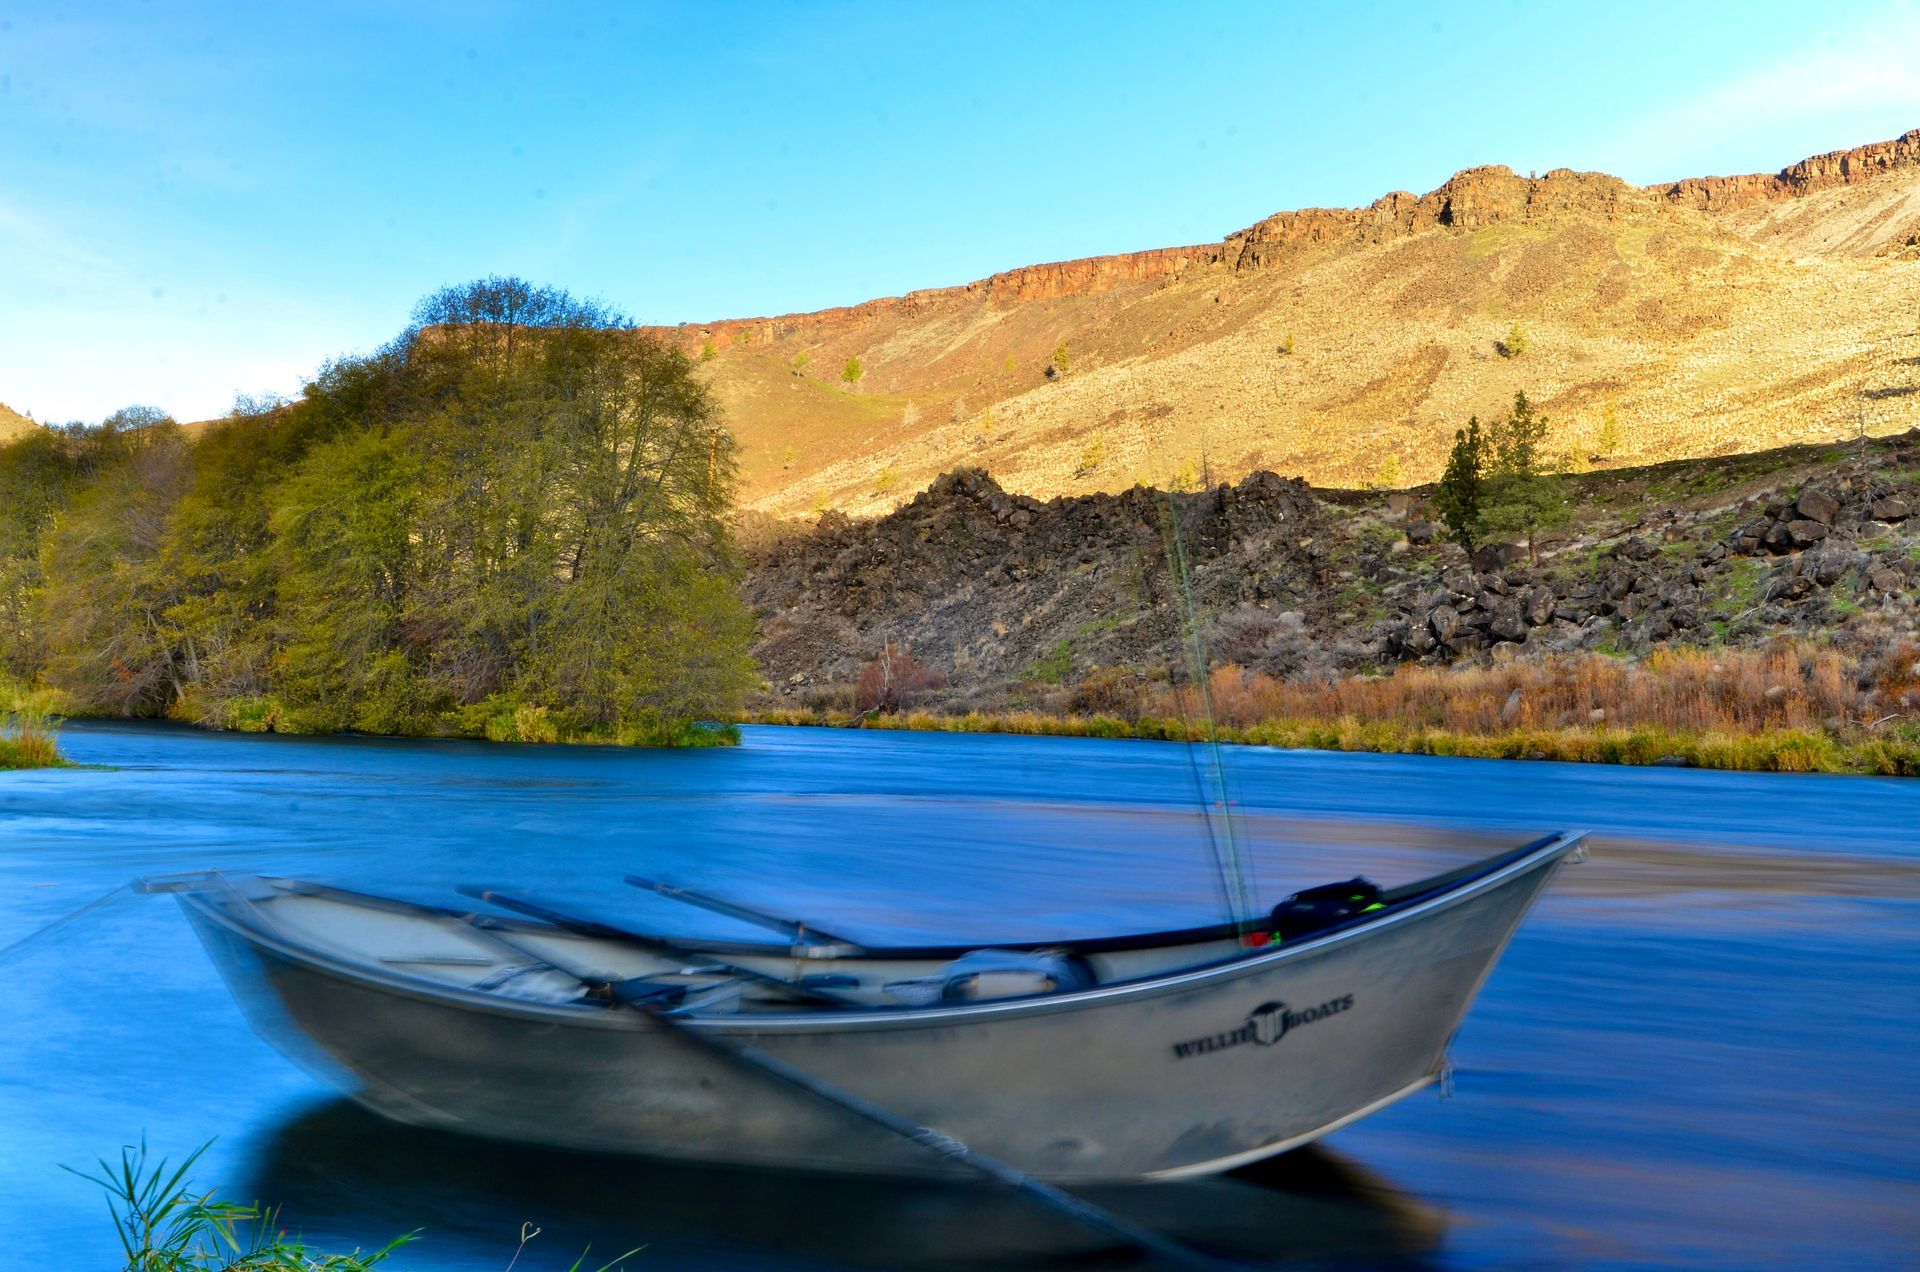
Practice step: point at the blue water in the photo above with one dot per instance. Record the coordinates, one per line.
(1704, 1047)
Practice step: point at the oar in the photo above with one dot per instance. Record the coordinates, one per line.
(607, 932)
(813, 938)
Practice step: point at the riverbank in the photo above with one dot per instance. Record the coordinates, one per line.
(1775, 751)
(1792, 707)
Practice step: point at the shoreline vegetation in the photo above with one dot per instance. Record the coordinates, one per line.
(1794, 707)
(511, 522)
(29, 730)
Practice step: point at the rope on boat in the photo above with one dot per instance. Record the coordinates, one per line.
(745, 1053)
(1078, 1209)
(32, 939)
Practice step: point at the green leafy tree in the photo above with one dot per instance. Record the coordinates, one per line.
(516, 510)
(102, 613)
(1462, 485)
(41, 473)
(851, 373)
(1061, 360)
(1516, 341)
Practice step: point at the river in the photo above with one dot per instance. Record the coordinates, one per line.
(1704, 1046)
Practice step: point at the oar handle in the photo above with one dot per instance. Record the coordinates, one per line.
(809, 940)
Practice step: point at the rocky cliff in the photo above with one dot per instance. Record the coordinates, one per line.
(1474, 198)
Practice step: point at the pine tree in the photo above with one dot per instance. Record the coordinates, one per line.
(1461, 486)
(1523, 496)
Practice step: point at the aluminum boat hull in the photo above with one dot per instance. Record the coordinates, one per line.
(1184, 1073)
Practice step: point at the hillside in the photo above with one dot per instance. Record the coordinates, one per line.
(1708, 316)
(12, 423)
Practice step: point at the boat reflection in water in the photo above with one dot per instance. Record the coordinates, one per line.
(340, 1171)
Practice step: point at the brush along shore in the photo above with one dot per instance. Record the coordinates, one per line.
(1795, 707)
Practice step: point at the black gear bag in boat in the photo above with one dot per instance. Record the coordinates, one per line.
(1312, 910)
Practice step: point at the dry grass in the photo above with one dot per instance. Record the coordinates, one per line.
(29, 738)
(1790, 685)
(1793, 708)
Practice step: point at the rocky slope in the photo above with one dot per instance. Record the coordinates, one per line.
(1707, 316)
(1014, 601)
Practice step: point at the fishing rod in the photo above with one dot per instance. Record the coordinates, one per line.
(1222, 842)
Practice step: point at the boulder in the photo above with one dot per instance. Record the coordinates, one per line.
(1444, 623)
(1817, 505)
(1889, 509)
(1490, 557)
(1806, 532)
(1508, 625)
(1540, 605)
(1421, 533)
(1884, 579)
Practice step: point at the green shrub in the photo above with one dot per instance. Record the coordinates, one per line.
(1516, 341)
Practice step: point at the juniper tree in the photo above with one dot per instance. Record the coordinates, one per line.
(1462, 485)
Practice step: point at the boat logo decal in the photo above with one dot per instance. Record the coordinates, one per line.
(1266, 1024)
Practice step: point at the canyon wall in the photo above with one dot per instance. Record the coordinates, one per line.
(1472, 199)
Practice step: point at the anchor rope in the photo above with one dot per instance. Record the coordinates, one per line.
(42, 934)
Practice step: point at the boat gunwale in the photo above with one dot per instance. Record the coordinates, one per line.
(1500, 868)
(1418, 890)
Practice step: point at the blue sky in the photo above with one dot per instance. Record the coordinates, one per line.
(203, 200)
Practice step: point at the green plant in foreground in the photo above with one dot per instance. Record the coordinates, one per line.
(164, 1226)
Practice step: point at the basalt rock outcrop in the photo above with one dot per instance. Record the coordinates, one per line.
(1820, 172)
(1005, 595)
(981, 585)
(1472, 199)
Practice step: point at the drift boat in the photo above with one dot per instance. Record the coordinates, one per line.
(1152, 1056)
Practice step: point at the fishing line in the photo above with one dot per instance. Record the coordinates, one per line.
(1228, 864)
(32, 939)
